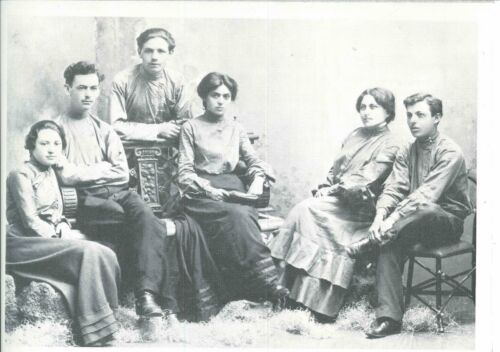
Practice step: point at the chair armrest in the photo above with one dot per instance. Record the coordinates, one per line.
(70, 202)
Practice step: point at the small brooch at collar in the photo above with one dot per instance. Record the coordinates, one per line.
(428, 142)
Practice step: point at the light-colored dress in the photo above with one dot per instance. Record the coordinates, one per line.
(85, 272)
(313, 238)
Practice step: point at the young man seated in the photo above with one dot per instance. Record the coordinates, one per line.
(425, 200)
(96, 165)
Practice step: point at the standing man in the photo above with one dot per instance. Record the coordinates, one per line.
(98, 169)
(425, 200)
(149, 102)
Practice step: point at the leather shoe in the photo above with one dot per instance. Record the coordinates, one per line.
(323, 319)
(383, 327)
(279, 295)
(146, 306)
(107, 341)
(363, 246)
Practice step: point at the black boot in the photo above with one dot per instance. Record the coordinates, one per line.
(146, 306)
(278, 297)
(323, 319)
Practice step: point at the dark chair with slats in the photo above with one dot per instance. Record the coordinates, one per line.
(439, 277)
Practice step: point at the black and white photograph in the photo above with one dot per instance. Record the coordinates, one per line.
(254, 174)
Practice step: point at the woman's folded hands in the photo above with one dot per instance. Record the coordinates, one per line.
(217, 194)
(327, 191)
(254, 191)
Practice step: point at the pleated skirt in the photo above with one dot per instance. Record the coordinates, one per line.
(86, 273)
(312, 244)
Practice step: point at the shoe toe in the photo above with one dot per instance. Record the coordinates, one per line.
(383, 329)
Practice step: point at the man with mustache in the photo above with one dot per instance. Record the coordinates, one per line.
(425, 200)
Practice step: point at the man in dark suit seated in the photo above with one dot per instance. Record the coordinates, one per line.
(425, 200)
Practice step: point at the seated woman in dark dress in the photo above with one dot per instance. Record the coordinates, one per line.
(210, 147)
(314, 240)
(40, 245)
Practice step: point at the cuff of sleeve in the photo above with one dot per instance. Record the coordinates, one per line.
(259, 175)
(195, 187)
(395, 216)
(382, 209)
(203, 184)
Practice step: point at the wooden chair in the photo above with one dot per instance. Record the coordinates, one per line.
(439, 277)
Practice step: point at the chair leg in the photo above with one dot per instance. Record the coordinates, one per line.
(409, 282)
(439, 316)
(473, 282)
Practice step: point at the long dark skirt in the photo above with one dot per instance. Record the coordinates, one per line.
(233, 235)
(201, 291)
(85, 272)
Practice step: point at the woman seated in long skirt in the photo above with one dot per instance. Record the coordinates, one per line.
(41, 245)
(210, 147)
(313, 240)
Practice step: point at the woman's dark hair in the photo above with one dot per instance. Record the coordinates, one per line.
(155, 33)
(81, 68)
(214, 80)
(383, 97)
(32, 135)
(435, 104)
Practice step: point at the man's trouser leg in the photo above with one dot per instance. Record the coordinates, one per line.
(155, 253)
(430, 225)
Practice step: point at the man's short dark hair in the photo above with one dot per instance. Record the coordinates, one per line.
(155, 33)
(81, 68)
(214, 80)
(435, 104)
(383, 97)
(32, 135)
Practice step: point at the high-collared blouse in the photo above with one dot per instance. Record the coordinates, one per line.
(95, 154)
(429, 171)
(34, 203)
(365, 159)
(214, 147)
(138, 101)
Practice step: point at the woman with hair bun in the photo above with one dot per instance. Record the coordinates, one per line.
(313, 243)
(211, 146)
(41, 247)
